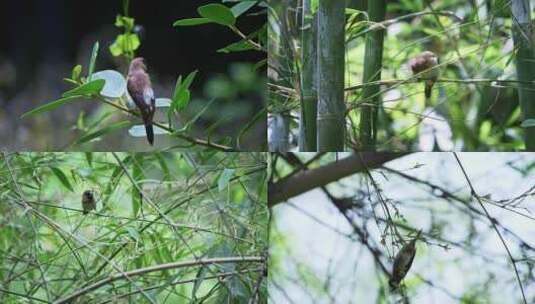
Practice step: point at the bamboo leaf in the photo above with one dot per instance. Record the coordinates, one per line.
(62, 178)
(224, 178)
(92, 61)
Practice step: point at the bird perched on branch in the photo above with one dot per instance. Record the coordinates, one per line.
(403, 262)
(88, 201)
(424, 66)
(140, 89)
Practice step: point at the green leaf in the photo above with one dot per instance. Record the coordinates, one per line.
(76, 72)
(189, 79)
(92, 61)
(239, 46)
(125, 22)
(181, 100)
(50, 106)
(62, 178)
(224, 178)
(217, 13)
(528, 123)
(103, 131)
(191, 22)
(242, 7)
(89, 88)
(125, 43)
(181, 95)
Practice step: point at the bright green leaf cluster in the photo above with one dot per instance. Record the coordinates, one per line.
(124, 44)
(127, 43)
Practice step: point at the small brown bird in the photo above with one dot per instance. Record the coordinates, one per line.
(403, 262)
(140, 89)
(424, 67)
(88, 201)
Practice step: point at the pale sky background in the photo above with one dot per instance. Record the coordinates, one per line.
(347, 270)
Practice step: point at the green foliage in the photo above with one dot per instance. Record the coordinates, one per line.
(222, 15)
(87, 89)
(217, 13)
(152, 209)
(76, 72)
(182, 94)
(128, 42)
(109, 87)
(125, 44)
(467, 113)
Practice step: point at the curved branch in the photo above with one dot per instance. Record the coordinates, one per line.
(161, 267)
(308, 180)
(197, 279)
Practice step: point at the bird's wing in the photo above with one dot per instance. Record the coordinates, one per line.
(409, 263)
(402, 264)
(148, 96)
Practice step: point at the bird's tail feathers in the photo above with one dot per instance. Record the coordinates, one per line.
(150, 132)
(428, 87)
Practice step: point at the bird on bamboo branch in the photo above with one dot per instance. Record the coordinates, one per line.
(140, 89)
(424, 66)
(88, 201)
(403, 262)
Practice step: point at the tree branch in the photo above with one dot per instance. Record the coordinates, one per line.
(308, 180)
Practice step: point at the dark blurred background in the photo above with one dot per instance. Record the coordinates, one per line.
(43, 40)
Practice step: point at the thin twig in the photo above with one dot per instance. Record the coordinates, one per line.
(196, 141)
(493, 222)
(445, 80)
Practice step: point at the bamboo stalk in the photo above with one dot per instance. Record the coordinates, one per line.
(525, 65)
(309, 98)
(331, 46)
(372, 73)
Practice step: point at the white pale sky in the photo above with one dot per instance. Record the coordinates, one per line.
(347, 270)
